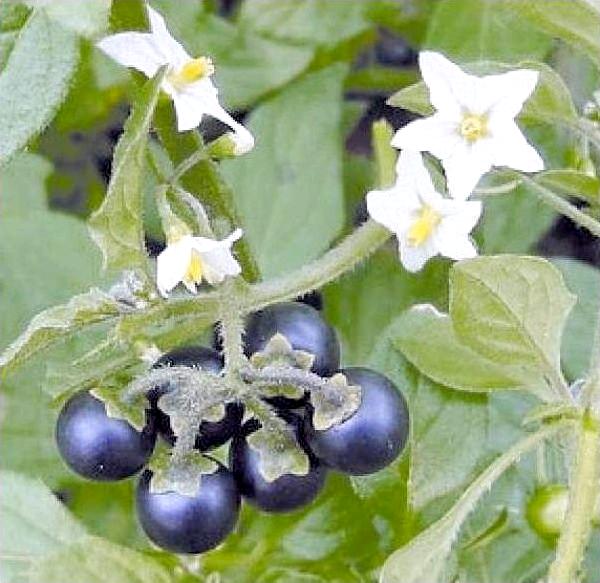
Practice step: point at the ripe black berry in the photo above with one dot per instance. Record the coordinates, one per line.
(302, 326)
(185, 524)
(210, 434)
(286, 493)
(373, 436)
(97, 446)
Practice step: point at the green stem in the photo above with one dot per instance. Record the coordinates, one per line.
(587, 129)
(562, 206)
(582, 499)
(231, 329)
(342, 258)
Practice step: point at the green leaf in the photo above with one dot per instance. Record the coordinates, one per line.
(427, 339)
(375, 293)
(12, 19)
(58, 322)
(117, 226)
(249, 66)
(34, 81)
(483, 29)
(576, 22)
(291, 183)
(37, 522)
(98, 561)
(584, 281)
(89, 18)
(514, 222)
(512, 310)
(46, 257)
(424, 557)
(571, 183)
(295, 21)
(551, 101)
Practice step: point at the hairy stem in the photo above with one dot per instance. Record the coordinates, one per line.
(232, 329)
(582, 499)
(562, 206)
(284, 375)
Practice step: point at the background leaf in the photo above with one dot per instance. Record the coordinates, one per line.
(117, 226)
(89, 18)
(512, 310)
(291, 183)
(483, 29)
(35, 80)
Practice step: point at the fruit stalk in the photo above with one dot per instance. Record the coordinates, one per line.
(582, 499)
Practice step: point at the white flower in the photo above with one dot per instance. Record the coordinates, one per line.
(187, 80)
(474, 126)
(191, 259)
(425, 223)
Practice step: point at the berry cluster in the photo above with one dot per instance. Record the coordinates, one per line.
(100, 447)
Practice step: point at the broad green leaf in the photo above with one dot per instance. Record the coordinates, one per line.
(483, 29)
(571, 183)
(291, 183)
(34, 81)
(58, 322)
(551, 101)
(45, 257)
(12, 18)
(427, 339)
(576, 22)
(95, 560)
(513, 222)
(117, 226)
(34, 523)
(424, 557)
(311, 22)
(361, 305)
(584, 281)
(88, 18)
(249, 66)
(512, 310)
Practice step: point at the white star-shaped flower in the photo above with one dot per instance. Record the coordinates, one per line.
(189, 260)
(187, 80)
(425, 223)
(473, 128)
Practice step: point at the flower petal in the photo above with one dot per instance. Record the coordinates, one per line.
(172, 265)
(436, 134)
(134, 49)
(459, 216)
(512, 149)
(504, 95)
(410, 166)
(392, 208)
(188, 109)
(414, 257)
(454, 245)
(219, 264)
(174, 52)
(450, 88)
(465, 167)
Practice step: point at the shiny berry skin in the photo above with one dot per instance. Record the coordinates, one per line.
(547, 508)
(97, 446)
(210, 434)
(185, 524)
(284, 494)
(373, 436)
(302, 326)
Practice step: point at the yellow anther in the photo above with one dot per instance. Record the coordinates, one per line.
(426, 221)
(192, 71)
(195, 270)
(473, 127)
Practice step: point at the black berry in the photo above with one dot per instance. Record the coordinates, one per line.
(284, 494)
(304, 329)
(373, 436)
(185, 524)
(97, 446)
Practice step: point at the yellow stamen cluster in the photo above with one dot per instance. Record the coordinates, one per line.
(195, 269)
(473, 127)
(192, 71)
(426, 221)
